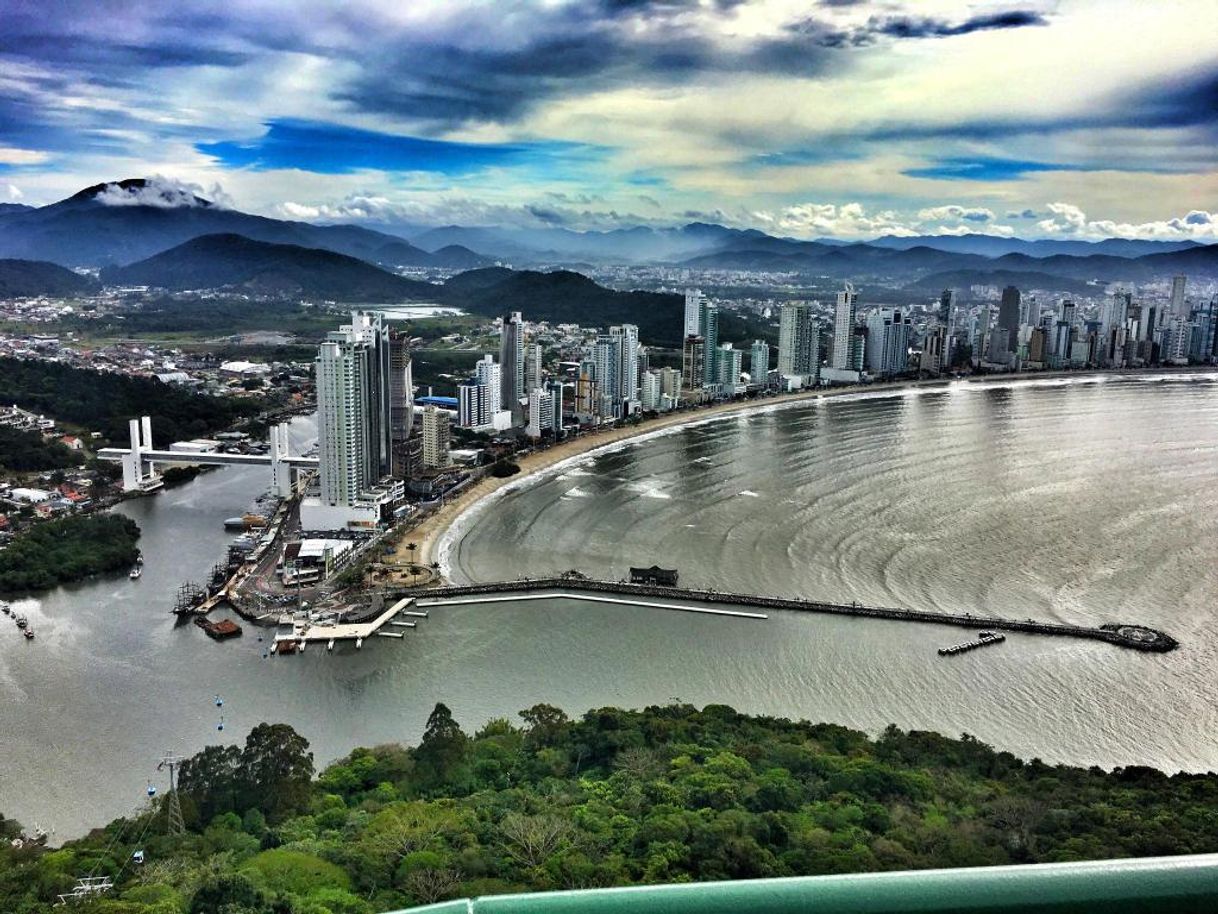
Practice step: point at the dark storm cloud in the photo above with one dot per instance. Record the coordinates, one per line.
(926, 27)
(905, 27)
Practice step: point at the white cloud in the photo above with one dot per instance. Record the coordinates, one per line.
(14, 192)
(849, 219)
(1069, 219)
(953, 211)
(11, 155)
(162, 192)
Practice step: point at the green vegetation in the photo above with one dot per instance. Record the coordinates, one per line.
(502, 469)
(618, 797)
(104, 402)
(211, 318)
(68, 549)
(24, 452)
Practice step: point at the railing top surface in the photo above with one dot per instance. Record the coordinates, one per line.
(1171, 885)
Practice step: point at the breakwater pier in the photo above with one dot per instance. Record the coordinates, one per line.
(1120, 634)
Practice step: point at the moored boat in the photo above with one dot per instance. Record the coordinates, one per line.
(135, 573)
(29, 634)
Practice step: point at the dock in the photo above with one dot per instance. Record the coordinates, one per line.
(516, 598)
(1120, 634)
(980, 641)
(332, 633)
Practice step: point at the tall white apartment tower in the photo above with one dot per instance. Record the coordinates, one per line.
(354, 426)
(694, 301)
(843, 328)
(627, 336)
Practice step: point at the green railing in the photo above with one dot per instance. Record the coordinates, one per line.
(1156, 885)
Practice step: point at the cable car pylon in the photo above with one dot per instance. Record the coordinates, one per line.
(173, 806)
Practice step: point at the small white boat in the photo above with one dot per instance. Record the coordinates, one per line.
(22, 622)
(135, 573)
(29, 634)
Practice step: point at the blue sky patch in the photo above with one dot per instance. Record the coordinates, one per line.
(986, 169)
(334, 149)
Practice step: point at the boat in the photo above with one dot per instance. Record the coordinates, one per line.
(5, 607)
(22, 622)
(135, 573)
(29, 634)
(234, 523)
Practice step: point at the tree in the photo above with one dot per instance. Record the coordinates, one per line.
(442, 748)
(277, 770)
(545, 723)
(226, 892)
(210, 781)
(532, 840)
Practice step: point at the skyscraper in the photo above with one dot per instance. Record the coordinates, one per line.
(627, 337)
(354, 419)
(478, 398)
(759, 361)
(693, 359)
(511, 365)
(843, 328)
(694, 302)
(401, 399)
(727, 367)
(607, 363)
(934, 345)
(1009, 316)
(1178, 306)
(798, 341)
(947, 310)
(887, 342)
(710, 334)
(436, 434)
(541, 412)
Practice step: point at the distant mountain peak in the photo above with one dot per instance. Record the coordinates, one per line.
(162, 193)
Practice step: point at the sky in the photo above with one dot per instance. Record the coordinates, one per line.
(837, 118)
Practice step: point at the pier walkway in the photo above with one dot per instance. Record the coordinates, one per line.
(1136, 637)
(331, 633)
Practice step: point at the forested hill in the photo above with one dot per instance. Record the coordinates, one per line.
(257, 267)
(562, 297)
(615, 798)
(104, 402)
(29, 278)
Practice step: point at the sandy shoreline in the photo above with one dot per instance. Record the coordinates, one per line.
(430, 533)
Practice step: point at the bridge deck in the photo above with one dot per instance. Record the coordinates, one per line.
(118, 453)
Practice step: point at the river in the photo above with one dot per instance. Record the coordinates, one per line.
(1062, 500)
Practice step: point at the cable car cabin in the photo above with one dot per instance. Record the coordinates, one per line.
(655, 575)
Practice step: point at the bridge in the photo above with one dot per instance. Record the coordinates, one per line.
(140, 459)
(1128, 635)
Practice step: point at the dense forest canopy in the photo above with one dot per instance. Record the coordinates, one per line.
(25, 451)
(618, 797)
(104, 402)
(68, 549)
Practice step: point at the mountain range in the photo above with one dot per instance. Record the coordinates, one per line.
(149, 232)
(126, 221)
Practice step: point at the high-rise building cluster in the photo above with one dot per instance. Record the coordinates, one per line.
(1121, 332)
(361, 393)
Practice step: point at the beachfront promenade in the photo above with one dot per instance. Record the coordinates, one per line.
(1127, 635)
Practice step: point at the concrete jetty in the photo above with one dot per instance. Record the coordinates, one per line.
(331, 633)
(1127, 635)
(516, 598)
